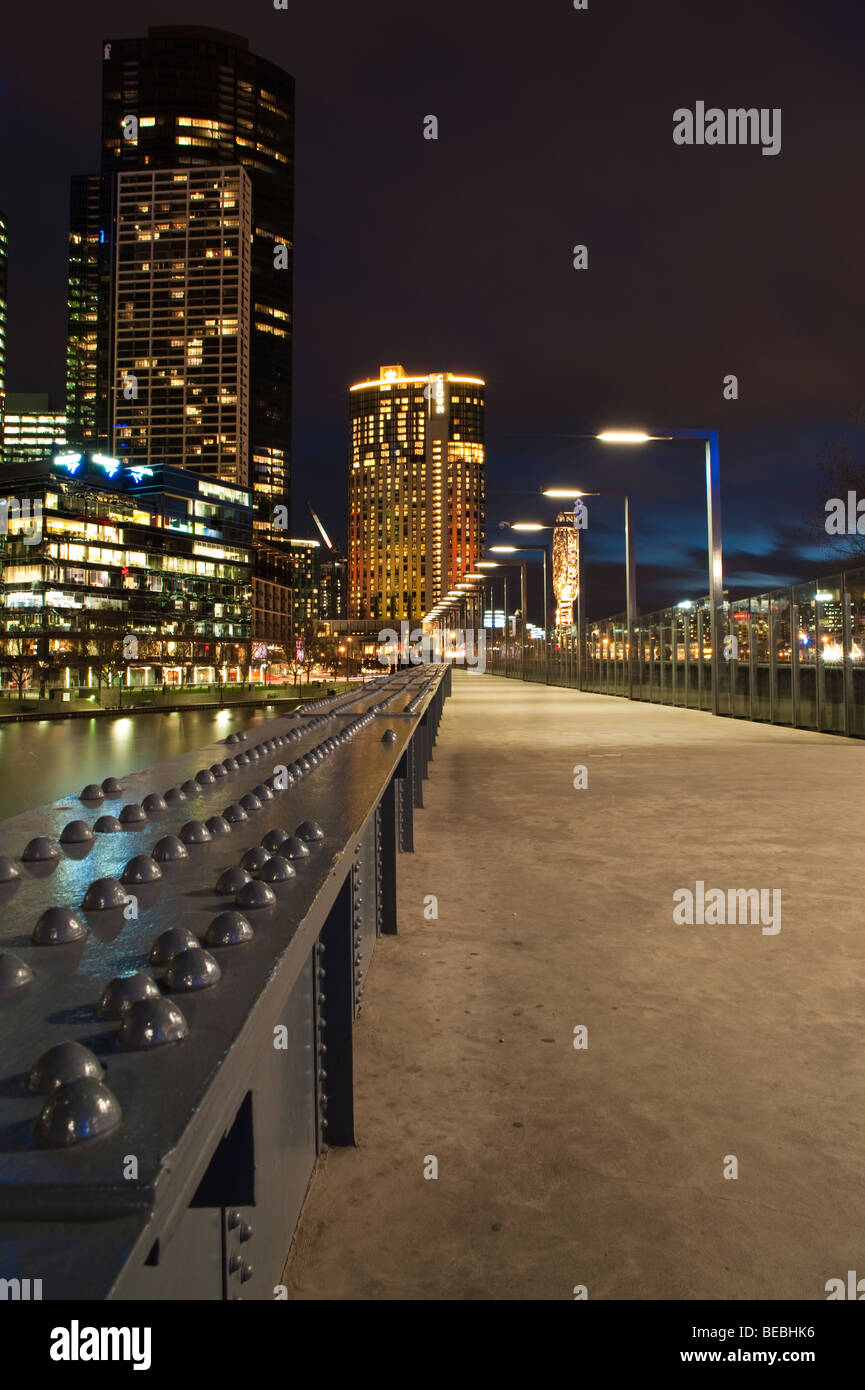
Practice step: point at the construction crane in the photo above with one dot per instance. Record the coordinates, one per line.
(326, 538)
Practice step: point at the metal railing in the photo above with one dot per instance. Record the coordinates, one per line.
(792, 656)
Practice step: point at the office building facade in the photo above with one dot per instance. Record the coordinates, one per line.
(33, 427)
(416, 490)
(188, 98)
(182, 328)
(102, 553)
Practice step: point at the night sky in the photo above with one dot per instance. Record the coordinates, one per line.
(556, 128)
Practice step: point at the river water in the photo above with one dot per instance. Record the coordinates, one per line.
(52, 758)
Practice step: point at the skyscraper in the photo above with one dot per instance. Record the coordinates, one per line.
(416, 490)
(182, 319)
(90, 310)
(3, 281)
(186, 97)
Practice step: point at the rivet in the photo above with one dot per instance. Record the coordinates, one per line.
(107, 825)
(40, 849)
(231, 879)
(58, 926)
(235, 813)
(154, 804)
(79, 1110)
(255, 894)
(168, 849)
(169, 942)
(229, 929)
(92, 792)
(195, 832)
(103, 895)
(124, 990)
(66, 1061)
(149, 1023)
(192, 969)
(141, 869)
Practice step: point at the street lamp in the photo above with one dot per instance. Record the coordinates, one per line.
(713, 522)
(530, 526)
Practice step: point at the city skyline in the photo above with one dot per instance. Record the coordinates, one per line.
(669, 210)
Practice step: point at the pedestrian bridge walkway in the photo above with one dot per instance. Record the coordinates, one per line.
(709, 1048)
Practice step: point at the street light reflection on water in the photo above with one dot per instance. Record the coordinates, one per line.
(50, 758)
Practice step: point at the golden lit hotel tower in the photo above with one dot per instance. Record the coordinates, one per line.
(415, 491)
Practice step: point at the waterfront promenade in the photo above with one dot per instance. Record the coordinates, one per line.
(604, 1166)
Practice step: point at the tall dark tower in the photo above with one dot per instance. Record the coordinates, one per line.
(89, 317)
(189, 97)
(2, 319)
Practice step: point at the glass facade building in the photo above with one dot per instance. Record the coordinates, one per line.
(416, 490)
(157, 554)
(187, 97)
(89, 317)
(182, 320)
(32, 428)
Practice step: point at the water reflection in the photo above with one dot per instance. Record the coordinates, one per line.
(41, 761)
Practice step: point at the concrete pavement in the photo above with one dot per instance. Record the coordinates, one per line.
(604, 1167)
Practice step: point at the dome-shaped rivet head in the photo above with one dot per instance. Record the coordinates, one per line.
(154, 804)
(14, 972)
(204, 777)
(190, 789)
(273, 839)
(218, 770)
(141, 869)
(234, 814)
(149, 1023)
(76, 832)
(230, 880)
(77, 1111)
(66, 1061)
(242, 737)
(92, 792)
(229, 765)
(254, 858)
(218, 825)
(232, 738)
(195, 832)
(132, 814)
(276, 870)
(112, 787)
(229, 929)
(309, 830)
(169, 848)
(192, 969)
(124, 990)
(294, 848)
(9, 871)
(169, 942)
(58, 926)
(255, 894)
(103, 895)
(389, 736)
(241, 760)
(107, 825)
(40, 849)
(263, 792)
(250, 802)
(173, 796)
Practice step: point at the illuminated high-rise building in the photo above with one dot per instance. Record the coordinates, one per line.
(34, 428)
(181, 99)
(181, 320)
(416, 490)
